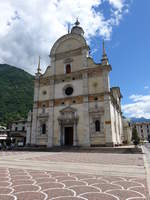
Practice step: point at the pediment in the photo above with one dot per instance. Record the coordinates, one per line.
(78, 39)
(68, 109)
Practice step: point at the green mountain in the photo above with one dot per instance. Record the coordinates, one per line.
(16, 93)
(141, 119)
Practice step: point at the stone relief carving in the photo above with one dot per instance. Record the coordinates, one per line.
(68, 115)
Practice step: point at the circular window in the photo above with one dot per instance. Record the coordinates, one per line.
(44, 92)
(69, 91)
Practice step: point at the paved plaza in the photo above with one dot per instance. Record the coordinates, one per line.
(72, 176)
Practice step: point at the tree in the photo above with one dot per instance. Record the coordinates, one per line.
(135, 137)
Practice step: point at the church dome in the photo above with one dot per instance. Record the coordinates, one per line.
(77, 29)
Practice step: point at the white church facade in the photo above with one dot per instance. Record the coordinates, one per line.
(74, 104)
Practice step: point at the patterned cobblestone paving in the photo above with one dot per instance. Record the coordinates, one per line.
(99, 158)
(20, 184)
(20, 179)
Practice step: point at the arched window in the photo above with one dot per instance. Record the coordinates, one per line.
(43, 128)
(68, 68)
(97, 125)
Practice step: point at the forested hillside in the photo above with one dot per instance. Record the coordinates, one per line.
(16, 93)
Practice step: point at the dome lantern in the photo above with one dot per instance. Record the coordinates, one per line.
(77, 29)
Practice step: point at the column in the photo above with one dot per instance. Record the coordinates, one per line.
(75, 137)
(86, 111)
(60, 134)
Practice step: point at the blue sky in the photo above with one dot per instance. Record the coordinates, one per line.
(27, 33)
(128, 51)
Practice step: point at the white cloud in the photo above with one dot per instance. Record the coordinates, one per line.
(29, 28)
(117, 4)
(146, 87)
(140, 106)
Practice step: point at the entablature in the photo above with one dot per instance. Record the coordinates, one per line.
(71, 100)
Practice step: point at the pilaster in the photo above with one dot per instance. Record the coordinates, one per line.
(86, 127)
(34, 124)
(29, 127)
(28, 135)
(84, 56)
(50, 125)
(53, 65)
(75, 136)
(107, 121)
(51, 114)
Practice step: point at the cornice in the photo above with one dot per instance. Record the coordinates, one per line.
(71, 100)
(91, 72)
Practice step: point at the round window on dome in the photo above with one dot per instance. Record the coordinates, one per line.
(69, 91)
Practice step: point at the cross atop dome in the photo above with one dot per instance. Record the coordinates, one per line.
(77, 23)
(77, 29)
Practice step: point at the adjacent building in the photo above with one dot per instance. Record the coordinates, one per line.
(3, 135)
(74, 104)
(17, 132)
(143, 129)
(127, 131)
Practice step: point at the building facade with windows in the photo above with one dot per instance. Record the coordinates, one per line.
(3, 135)
(73, 102)
(143, 129)
(18, 131)
(127, 130)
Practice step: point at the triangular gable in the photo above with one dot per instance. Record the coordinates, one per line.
(68, 109)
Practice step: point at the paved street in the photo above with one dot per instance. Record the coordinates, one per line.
(72, 176)
(147, 148)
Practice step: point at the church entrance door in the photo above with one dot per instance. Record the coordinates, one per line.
(68, 136)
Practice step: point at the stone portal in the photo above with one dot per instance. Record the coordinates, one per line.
(68, 136)
(68, 121)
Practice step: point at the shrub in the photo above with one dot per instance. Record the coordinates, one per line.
(135, 137)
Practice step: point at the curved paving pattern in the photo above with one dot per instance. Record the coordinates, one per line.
(20, 184)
